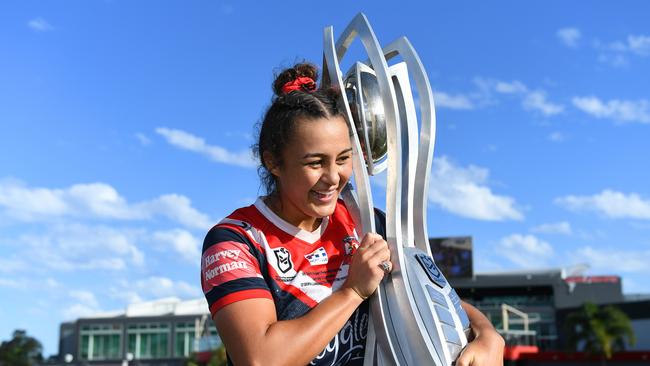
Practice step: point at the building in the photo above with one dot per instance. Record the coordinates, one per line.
(162, 332)
(529, 306)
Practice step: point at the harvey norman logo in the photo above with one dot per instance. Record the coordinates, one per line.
(228, 253)
(318, 256)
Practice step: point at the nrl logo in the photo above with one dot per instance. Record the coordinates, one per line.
(284, 259)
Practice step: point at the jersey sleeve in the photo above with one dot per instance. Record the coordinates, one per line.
(229, 270)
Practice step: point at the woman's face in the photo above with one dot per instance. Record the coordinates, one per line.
(316, 165)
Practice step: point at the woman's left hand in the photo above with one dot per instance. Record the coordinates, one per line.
(485, 350)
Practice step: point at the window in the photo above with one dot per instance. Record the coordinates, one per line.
(185, 333)
(149, 340)
(101, 342)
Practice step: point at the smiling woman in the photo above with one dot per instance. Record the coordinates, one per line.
(287, 267)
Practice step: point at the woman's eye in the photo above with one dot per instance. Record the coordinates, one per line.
(342, 159)
(314, 163)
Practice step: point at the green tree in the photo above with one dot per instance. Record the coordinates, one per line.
(218, 358)
(599, 331)
(21, 350)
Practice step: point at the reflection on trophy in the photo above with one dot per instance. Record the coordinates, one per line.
(416, 317)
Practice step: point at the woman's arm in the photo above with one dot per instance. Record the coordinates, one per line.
(253, 335)
(486, 349)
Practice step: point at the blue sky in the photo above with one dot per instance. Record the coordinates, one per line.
(125, 128)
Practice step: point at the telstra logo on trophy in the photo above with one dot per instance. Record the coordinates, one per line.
(416, 317)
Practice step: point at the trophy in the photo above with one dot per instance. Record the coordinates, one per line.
(416, 316)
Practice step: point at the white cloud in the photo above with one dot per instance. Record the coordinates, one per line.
(187, 141)
(562, 227)
(144, 140)
(39, 25)
(11, 283)
(157, 287)
(514, 87)
(25, 202)
(178, 208)
(84, 297)
(614, 53)
(616, 60)
(93, 200)
(612, 204)
(77, 311)
(458, 101)
(639, 44)
(85, 305)
(526, 251)
(556, 136)
(128, 296)
(569, 36)
(614, 259)
(182, 242)
(536, 100)
(530, 99)
(10, 265)
(618, 110)
(636, 44)
(463, 191)
(74, 247)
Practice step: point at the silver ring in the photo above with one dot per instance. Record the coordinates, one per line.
(385, 266)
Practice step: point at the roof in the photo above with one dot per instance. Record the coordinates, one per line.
(160, 307)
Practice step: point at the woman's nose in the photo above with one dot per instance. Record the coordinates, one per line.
(331, 175)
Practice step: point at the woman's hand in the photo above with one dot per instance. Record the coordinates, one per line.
(486, 349)
(365, 271)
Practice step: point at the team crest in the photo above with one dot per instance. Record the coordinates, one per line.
(284, 259)
(351, 244)
(318, 256)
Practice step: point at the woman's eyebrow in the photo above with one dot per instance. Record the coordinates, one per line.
(322, 155)
(313, 155)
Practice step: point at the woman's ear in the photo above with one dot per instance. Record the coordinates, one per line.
(271, 163)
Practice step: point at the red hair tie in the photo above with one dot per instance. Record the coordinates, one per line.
(303, 83)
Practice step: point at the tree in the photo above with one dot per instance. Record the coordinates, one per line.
(599, 331)
(21, 350)
(217, 358)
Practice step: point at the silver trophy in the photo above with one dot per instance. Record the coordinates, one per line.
(416, 317)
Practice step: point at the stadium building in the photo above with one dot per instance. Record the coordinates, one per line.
(162, 332)
(529, 307)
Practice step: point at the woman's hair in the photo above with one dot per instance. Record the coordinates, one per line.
(294, 101)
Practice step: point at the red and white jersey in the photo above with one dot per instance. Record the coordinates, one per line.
(253, 253)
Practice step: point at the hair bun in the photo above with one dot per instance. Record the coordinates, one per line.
(304, 69)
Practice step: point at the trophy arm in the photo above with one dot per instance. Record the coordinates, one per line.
(404, 48)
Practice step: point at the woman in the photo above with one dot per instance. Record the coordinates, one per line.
(286, 279)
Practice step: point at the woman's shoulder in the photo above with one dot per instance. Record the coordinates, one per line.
(237, 226)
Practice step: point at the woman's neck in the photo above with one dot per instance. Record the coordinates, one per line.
(294, 217)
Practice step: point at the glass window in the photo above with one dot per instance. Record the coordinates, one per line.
(101, 342)
(149, 340)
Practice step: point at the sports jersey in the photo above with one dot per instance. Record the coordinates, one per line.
(253, 253)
